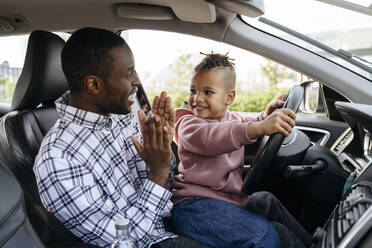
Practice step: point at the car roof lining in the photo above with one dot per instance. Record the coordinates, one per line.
(103, 14)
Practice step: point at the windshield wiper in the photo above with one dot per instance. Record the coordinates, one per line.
(345, 55)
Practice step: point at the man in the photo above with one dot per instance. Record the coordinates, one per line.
(94, 166)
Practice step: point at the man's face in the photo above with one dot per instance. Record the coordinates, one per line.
(121, 83)
(208, 97)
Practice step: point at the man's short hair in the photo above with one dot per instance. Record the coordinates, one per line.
(86, 53)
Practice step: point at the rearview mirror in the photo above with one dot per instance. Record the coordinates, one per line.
(251, 8)
(313, 100)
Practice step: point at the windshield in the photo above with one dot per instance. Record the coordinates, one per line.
(336, 27)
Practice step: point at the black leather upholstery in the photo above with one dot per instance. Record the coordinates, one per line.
(23, 129)
(42, 79)
(15, 228)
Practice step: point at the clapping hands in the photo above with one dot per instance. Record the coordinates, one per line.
(157, 131)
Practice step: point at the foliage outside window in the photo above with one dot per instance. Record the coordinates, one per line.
(170, 67)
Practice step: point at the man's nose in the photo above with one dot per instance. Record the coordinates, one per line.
(136, 81)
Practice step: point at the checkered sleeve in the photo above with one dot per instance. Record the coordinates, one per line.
(70, 192)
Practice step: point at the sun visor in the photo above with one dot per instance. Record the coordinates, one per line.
(143, 11)
(186, 10)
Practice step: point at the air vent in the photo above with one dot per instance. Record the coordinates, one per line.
(343, 141)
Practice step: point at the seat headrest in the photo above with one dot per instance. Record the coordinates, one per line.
(42, 79)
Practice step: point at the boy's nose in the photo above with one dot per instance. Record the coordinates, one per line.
(198, 97)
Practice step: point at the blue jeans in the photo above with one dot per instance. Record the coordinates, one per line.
(222, 224)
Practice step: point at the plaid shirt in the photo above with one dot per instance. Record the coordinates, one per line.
(89, 174)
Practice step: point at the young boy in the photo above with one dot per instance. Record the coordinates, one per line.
(210, 205)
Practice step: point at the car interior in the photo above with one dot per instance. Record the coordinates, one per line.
(326, 149)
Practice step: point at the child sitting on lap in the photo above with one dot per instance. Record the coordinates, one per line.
(210, 205)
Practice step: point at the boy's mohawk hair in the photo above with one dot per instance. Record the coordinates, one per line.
(215, 60)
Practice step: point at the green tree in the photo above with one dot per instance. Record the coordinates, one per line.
(255, 102)
(177, 87)
(275, 73)
(6, 90)
(182, 73)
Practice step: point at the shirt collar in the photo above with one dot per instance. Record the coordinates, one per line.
(81, 117)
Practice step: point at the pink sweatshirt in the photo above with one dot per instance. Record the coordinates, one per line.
(212, 155)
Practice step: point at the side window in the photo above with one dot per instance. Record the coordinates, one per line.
(165, 61)
(12, 55)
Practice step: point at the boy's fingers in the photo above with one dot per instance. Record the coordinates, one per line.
(287, 127)
(288, 120)
(163, 97)
(279, 103)
(283, 96)
(290, 113)
(284, 132)
(167, 107)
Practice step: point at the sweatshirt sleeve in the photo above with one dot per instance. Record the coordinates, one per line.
(198, 136)
(247, 117)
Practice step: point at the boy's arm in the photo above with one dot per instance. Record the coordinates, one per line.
(280, 121)
(247, 117)
(211, 139)
(273, 105)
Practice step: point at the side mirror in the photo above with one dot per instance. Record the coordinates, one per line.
(313, 98)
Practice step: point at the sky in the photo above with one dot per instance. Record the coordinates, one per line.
(307, 16)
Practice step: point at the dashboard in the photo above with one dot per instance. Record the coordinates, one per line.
(354, 146)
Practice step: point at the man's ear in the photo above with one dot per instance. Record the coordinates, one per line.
(93, 85)
(230, 97)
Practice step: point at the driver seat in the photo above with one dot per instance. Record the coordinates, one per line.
(22, 130)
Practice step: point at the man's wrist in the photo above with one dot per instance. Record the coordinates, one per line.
(159, 176)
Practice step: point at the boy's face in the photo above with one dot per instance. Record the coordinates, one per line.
(209, 96)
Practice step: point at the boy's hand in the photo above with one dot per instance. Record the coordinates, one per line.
(276, 103)
(280, 121)
(162, 106)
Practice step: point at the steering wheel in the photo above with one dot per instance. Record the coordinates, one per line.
(265, 156)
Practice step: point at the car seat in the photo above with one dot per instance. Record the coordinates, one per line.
(15, 228)
(22, 130)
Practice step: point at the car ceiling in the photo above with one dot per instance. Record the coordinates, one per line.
(196, 17)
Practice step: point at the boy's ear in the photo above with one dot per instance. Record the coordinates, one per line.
(230, 97)
(93, 84)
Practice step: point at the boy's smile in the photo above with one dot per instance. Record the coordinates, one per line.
(209, 96)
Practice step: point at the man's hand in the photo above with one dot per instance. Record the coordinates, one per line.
(280, 121)
(156, 149)
(276, 103)
(162, 106)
